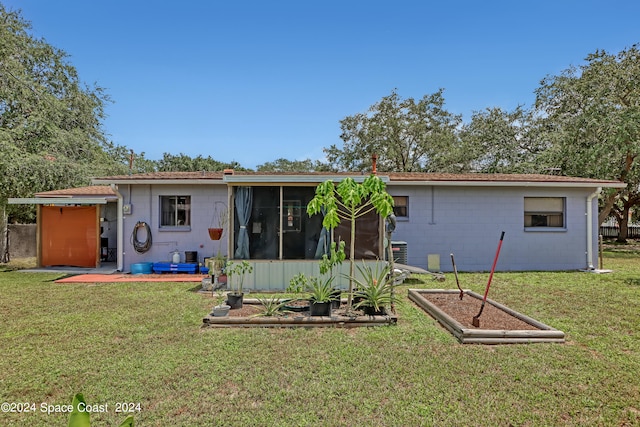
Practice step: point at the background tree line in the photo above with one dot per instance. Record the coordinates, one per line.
(584, 122)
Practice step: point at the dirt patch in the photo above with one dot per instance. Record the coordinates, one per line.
(246, 310)
(463, 311)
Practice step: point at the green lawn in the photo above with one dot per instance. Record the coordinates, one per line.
(143, 343)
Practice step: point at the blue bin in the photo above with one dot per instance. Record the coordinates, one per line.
(142, 268)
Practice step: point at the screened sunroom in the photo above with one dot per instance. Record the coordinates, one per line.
(273, 231)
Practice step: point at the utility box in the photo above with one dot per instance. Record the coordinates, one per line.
(433, 262)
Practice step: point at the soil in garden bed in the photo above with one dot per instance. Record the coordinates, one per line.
(463, 311)
(248, 310)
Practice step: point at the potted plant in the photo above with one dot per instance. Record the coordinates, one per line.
(297, 285)
(219, 221)
(374, 292)
(236, 272)
(322, 294)
(221, 309)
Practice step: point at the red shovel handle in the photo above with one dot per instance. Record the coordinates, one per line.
(493, 268)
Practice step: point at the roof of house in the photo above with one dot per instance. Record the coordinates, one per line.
(91, 191)
(406, 178)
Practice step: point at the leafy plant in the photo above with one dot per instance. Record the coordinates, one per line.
(334, 259)
(298, 283)
(271, 306)
(375, 288)
(349, 201)
(321, 290)
(239, 269)
(220, 298)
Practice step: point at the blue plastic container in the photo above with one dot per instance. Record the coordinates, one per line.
(142, 268)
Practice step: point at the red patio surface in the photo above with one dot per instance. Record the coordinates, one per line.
(113, 278)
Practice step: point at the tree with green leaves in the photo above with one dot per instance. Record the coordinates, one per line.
(592, 123)
(348, 201)
(500, 141)
(184, 163)
(407, 135)
(51, 132)
(285, 165)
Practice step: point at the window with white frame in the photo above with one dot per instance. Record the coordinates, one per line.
(544, 212)
(401, 206)
(175, 211)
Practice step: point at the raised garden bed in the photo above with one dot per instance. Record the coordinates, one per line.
(246, 317)
(498, 323)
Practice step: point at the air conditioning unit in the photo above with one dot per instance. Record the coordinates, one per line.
(399, 251)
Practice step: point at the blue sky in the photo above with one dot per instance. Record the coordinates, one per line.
(253, 81)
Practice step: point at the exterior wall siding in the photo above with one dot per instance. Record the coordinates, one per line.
(145, 201)
(465, 221)
(468, 221)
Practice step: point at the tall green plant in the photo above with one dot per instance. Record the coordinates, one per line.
(349, 201)
(239, 269)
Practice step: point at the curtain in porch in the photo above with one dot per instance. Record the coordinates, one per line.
(323, 240)
(243, 201)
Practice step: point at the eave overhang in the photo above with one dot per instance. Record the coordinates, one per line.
(554, 184)
(293, 179)
(58, 201)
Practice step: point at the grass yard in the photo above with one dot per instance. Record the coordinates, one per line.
(142, 343)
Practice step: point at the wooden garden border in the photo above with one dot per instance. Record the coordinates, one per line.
(293, 320)
(544, 333)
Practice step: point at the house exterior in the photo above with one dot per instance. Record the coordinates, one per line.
(550, 222)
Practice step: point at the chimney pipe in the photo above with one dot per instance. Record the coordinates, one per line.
(374, 164)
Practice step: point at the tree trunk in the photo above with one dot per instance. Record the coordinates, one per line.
(623, 230)
(610, 200)
(352, 260)
(623, 222)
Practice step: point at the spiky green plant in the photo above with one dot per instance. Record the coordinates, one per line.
(375, 288)
(272, 306)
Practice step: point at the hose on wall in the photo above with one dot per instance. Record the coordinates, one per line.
(138, 246)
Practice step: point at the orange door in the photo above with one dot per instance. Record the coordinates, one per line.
(69, 236)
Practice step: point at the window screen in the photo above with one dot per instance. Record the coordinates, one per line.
(544, 211)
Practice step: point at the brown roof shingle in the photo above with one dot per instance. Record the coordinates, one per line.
(91, 191)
